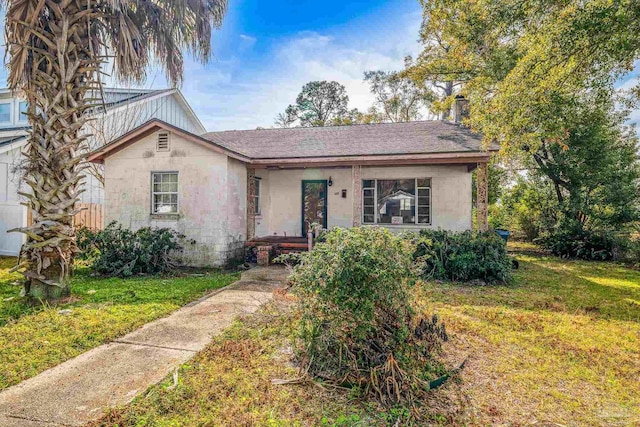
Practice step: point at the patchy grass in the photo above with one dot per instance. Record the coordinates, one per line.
(230, 384)
(559, 346)
(35, 338)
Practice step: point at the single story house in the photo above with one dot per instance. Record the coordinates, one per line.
(222, 189)
(118, 111)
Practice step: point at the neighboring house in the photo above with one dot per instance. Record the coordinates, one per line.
(224, 188)
(120, 111)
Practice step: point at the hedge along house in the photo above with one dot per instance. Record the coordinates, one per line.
(222, 189)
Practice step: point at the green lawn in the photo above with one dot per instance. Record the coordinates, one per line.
(559, 346)
(33, 339)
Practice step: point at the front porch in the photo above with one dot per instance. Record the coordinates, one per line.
(282, 202)
(263, 249)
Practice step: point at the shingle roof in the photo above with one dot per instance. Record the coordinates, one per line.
(422, 137)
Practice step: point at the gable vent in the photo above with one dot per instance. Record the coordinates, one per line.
(163, 141)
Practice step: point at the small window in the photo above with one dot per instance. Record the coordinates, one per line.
(163, 141)
(22, 111)
(164, 193)
(5, 113)
(256, 197)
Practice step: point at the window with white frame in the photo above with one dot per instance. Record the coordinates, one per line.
(256, 197)
(164, 192)
(22, 111)
(5, 112)
(396, 201)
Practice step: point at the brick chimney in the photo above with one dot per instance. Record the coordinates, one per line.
(460, 109)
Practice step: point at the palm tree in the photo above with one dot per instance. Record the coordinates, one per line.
(56, 51)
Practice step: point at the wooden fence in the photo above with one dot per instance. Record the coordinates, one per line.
(90, 216)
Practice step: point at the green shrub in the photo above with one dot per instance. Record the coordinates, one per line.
(570, 240)
(461, 257)
(631, 254)
(583, 245)
(117, 251)
(358, 327)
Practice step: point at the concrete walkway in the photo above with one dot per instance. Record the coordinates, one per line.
(81, 389)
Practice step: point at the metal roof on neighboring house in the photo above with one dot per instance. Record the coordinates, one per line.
(420, 137)
(134, 97)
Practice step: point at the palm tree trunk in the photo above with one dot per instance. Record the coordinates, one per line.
(56, 94)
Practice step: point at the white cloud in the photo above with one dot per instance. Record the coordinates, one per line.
(248, 38)
(253, 97)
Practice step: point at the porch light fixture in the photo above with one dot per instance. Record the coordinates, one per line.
(330, 182)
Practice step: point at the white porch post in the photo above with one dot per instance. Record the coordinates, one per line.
(482, 196)
(357, 195)
(251, 201)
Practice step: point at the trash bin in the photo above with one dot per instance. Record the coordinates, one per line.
(504, 234)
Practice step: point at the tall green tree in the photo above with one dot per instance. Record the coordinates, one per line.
(523, 64)
(56, 49)
(397, 97)
(590, 184)
(320, 103)
(595, 174)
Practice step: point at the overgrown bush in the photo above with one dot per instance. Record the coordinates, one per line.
(582, 244)
(571, 239)
(461, 257)
(358, 328)
(117, 251)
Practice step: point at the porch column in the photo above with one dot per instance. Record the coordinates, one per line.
(251, 201)
(482, 196)
(357, 195)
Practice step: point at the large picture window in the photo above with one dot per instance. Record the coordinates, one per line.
(396, 201)
(164, 196)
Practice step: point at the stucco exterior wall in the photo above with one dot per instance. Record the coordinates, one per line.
(236, 208)
(281, 199)
(210, 194)
(451, 207)
(118, 121)
(281, 194)
(212, 191)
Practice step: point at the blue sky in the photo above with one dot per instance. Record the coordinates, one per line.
(266, 51)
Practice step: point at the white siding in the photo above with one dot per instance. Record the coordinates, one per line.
(12, 213)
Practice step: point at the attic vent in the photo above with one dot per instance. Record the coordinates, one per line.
(163, 141)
